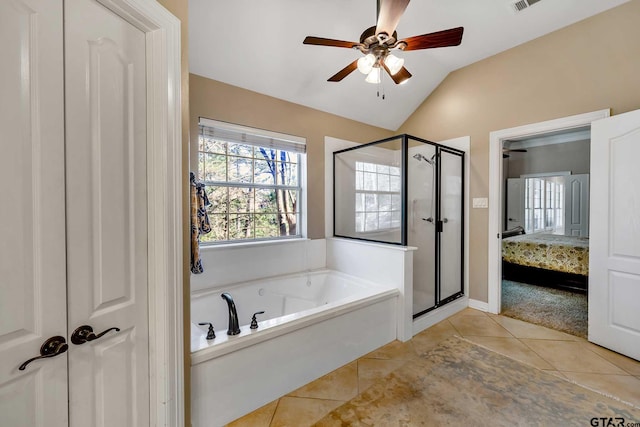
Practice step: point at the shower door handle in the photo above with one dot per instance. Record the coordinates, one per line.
(439, 226)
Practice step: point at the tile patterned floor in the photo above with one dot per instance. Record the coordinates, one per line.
(561, 354)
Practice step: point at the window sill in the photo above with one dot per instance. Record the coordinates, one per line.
(260, 243)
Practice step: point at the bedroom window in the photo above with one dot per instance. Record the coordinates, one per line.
(254, 180)
(378, 201)
(544, 204)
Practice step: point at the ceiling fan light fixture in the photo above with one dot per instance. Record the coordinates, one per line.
(366, 63)
(393, 63)
(373, 76)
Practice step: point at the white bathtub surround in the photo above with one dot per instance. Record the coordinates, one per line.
(242, 262)
(317, 322)
(379, 263)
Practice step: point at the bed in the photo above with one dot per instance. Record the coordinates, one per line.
(547, 259)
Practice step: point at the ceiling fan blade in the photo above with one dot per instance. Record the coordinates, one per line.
(344, 72)
(514, 150)
(389, 15)
(400, 77)
(320, 41)
(450, 37)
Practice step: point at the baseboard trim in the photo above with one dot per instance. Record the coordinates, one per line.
(478, 305)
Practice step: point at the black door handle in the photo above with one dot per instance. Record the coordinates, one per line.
(51, 347)
(85, 333)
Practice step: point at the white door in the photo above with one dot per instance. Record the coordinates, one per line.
(614, 258)
(74, 255)
(515, 203)
(32, 222)
(106, 216)
(576, 214)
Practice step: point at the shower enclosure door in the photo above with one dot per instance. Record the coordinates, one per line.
(450, 226)
(435, 224)
(421, 229)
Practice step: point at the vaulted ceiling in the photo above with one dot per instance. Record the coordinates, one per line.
(257, 45)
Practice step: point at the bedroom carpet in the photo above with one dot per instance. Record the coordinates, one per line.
(553, 308)
(460, 383)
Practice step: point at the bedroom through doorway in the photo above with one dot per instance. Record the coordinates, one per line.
(545, 223)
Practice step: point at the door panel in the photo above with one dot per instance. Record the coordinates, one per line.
(515, 203)
(107, 215)
(577, 205)
(452, 216)
(614, 258)
(32, 222)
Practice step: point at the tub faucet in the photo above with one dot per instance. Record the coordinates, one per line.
(234, 329)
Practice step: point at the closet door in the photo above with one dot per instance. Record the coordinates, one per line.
(105, 66)
(32, 221)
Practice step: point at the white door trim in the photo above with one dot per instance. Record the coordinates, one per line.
(164, 198)
(495, 188)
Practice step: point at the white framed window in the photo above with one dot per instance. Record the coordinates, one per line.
(378, 200)
(544, 204)
(255, 182)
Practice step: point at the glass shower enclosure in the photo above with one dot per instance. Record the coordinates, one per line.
(407, 191)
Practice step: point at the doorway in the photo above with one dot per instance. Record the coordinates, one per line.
(545, 238)
(496, 190)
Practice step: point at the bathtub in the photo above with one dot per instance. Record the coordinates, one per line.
(314, 322)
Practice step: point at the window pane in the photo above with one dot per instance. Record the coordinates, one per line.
(289, 200)
(287, 174)
(394, 183)
(382, 169)
(286, 156)
(240, 169)
(359, 202)
(266, 154)
(266, 201)
(288, 224)
(370, 181)
(394, 170)
(384, 202)
(240, 226)
(371, 202)
(359, 181)
(371, 221)
(383, 182)
(242, 150)
(395, 219)
(215, 167)
(396, 203)
(265, 172)
(201, 166)
(213, 146)
(359, 166)
(217, 198)
(359, 222)
(267, 225)
(240, 200)
(218, 228)
(384, 220)
(369, 167)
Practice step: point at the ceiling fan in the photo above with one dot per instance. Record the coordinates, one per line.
(377, 42)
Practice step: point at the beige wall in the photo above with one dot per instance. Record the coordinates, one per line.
(571, 156)
(591, 65)
(219, 101)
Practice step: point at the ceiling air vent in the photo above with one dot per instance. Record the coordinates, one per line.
(521, 5)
